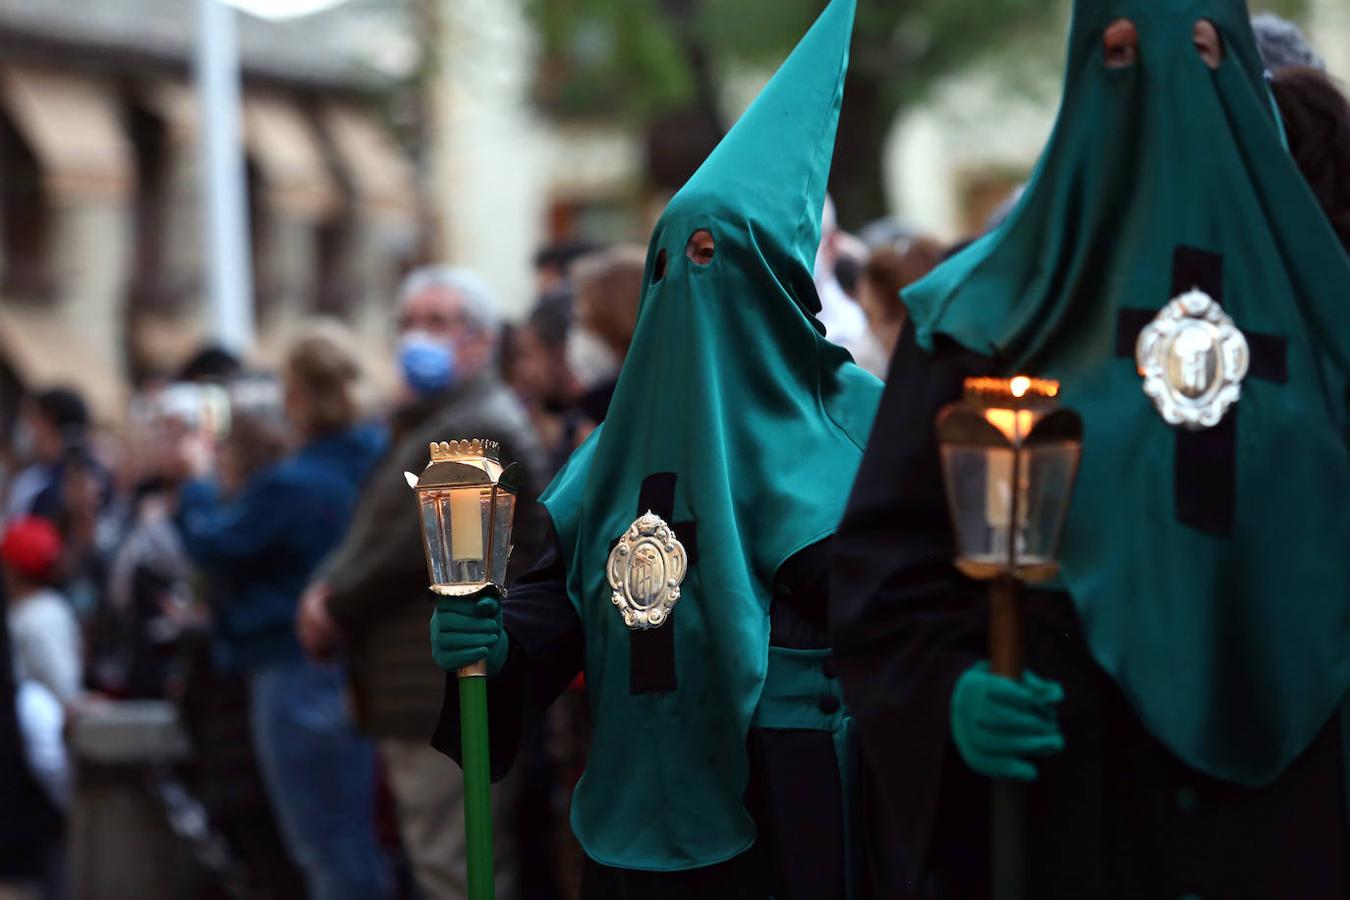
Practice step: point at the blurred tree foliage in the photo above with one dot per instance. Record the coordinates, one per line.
(658, 61)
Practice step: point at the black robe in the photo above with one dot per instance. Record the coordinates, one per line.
(795, 794)
(1116, 815)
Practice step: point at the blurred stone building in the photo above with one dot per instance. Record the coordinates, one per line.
(101, 279)
(946, 174)
(508, 176)
(100, 238)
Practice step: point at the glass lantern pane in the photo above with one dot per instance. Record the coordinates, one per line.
(1050, 470)
(429, 503)
(979, 490)
(463, 515)
(502, 520)
(977, 480)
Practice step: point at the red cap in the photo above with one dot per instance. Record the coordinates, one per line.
(31, 548)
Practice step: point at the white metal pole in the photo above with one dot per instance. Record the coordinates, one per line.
(227, 255)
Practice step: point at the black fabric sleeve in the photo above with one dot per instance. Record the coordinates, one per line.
(904, 623)
(797, 616)
(547, 651)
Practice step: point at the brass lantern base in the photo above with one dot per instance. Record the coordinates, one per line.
(1028, 571)
(459, 590)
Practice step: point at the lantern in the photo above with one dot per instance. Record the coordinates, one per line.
(1010, 457)
(467, 503)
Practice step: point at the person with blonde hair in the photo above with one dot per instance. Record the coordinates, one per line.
(608, 286)
(322, 379)
(261, 544)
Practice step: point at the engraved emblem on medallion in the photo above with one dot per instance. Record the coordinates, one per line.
(645, 569)
(1193, 359)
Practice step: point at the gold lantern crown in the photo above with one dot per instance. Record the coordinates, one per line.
(453, 462)
(458, 451)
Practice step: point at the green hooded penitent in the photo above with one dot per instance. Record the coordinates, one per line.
(1210, 567)
(730, 389)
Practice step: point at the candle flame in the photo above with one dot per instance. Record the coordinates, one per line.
(1019, 386)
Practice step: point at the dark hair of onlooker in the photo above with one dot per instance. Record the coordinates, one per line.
(1317, 120)
(560, 256)
(552, 317)
(63, 408)
(211, 365)
(847, 271)
(507, 350)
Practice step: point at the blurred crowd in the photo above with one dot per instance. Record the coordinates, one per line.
(244, 547)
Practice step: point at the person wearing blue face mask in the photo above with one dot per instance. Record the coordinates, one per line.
(370, 595)
(427, 364)
(448, 330)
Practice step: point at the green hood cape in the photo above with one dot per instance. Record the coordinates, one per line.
(731, 388)
(1211, 570)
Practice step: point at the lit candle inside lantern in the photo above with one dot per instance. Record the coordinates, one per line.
(1007, 448)
(998, 484)
(1015, 424)
(466, 526)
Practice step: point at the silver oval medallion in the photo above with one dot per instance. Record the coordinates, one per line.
(1193, 359)
(645, 570)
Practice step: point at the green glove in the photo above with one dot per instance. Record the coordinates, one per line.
(467, 629)
(999, 725)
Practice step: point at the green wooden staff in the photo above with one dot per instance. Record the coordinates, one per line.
(473, 727)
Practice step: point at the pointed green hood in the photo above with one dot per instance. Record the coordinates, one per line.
(769, 174)
(730, 390)
(1211, 569)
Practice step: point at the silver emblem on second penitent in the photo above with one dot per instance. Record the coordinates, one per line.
(645, 570)
(1193, 359)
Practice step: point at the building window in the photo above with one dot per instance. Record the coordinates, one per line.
(267, 287)
(149, 289)
(334, 287)
(25, 218)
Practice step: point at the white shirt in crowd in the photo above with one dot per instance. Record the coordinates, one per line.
(46, 643)
(41, 723)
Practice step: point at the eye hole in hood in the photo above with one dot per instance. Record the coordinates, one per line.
(1208, 43)
(701, 248)
(1121, 44)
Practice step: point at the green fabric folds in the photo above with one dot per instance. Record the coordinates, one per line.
(731, 387)
(1234, 650)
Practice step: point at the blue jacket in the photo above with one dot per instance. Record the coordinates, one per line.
(261, 547)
